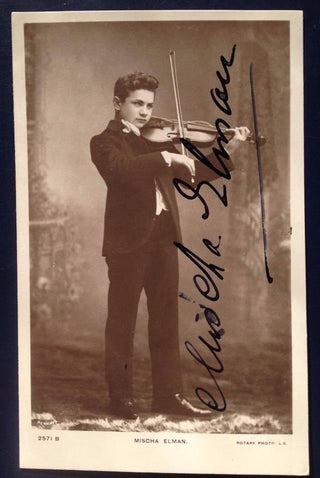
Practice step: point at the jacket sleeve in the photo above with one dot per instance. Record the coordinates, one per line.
(114, 162)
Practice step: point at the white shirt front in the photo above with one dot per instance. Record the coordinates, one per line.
(160, 201)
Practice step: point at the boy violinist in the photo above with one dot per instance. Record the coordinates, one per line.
(141, 224)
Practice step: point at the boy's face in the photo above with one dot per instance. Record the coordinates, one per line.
(136, 108)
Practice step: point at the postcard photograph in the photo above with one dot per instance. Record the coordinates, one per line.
(160, 241)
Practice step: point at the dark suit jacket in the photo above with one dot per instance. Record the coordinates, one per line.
(129, 165)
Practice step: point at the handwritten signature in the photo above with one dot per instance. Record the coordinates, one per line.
(206, 280)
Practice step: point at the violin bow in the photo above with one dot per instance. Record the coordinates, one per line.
(172, 58)
(262, 205)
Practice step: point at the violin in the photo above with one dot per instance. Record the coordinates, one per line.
(199, 133)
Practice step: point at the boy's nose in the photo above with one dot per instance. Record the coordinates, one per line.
(144, 111)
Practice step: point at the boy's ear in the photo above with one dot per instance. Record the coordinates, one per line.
(116, 103)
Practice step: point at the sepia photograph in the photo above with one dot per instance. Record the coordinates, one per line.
(160, 297)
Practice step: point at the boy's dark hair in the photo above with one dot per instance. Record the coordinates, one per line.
(134, 81)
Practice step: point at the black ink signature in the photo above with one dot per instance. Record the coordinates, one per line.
(212, 319)
(204, 281)
(223, 95)
(196, 193)
(204, 395)
(256, 130)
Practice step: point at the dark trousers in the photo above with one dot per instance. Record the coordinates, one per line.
(154, 268)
